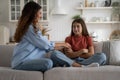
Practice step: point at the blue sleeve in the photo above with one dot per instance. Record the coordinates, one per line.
(38, 39)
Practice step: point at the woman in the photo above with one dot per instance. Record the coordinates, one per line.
(82, 50)
(32, 48)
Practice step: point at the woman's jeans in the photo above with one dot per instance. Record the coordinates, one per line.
(59, 59)
(42, 64)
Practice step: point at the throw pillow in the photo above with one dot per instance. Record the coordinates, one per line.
(114, 52)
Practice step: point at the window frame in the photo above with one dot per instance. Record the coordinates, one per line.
(21, 7)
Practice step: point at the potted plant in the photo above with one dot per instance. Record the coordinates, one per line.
(76, 16)
(45, 32)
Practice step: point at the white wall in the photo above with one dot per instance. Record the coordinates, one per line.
(60, 25)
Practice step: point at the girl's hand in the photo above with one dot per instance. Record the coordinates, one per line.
(84, 51)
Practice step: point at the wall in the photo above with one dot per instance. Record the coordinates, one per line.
(60, 25)
(4, 17)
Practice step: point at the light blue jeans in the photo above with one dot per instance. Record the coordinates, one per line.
(59, 59)
(42, 64)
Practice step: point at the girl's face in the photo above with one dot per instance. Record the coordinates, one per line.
(77, 28)
(38, 16)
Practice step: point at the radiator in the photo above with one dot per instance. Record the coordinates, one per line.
(4, 35)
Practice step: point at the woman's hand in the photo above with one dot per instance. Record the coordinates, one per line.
(68, 50)
(67, 45)
(61, 46)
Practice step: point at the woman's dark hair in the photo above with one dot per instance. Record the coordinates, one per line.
(84, 28)
(28, 15)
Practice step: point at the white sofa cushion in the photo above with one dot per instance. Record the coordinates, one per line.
(115, 52)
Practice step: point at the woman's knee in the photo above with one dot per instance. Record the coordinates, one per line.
(48, 64)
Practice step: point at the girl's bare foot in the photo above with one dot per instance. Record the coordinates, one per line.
(76, 64)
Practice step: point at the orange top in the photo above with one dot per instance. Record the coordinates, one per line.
(79, 42)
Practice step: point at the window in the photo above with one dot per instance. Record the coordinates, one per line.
(16, 6)
(14, 9)
(44, 5)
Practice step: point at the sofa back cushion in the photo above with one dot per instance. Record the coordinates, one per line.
(98, 47)
(102, 47)
(6, 52)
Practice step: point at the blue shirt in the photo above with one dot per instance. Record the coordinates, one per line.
(32, 46)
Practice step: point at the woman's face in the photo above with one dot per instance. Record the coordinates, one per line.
(38, 15)
(77, 28)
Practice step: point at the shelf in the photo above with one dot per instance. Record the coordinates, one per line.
(98, 8)
(110, 22)
(81, 8)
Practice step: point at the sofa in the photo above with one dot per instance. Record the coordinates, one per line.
(111, 71)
